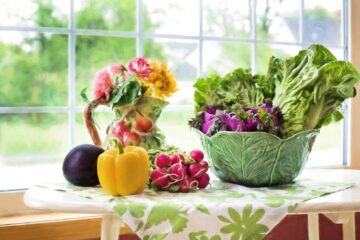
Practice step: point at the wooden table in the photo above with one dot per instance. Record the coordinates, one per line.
(340, 207)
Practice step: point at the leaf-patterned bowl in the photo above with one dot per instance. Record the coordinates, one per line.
(257, 158)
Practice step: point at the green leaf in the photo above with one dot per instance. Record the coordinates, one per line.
(127, 92)
(178, 224)
(159, 236)
(311, 87)
(83, 95)
(224, 219)
(245, 226)
(202, 208)
(235, 88)
(215, 237)
(137, 209)
(120, 208)
(291, 208)
(194, 235)
(139, 226)
(167, 211)
(234, 214)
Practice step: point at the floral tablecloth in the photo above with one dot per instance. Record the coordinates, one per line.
(223, 211)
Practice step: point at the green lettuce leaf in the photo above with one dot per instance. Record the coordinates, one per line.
(310, 88)
(236, 88)
(205, 91)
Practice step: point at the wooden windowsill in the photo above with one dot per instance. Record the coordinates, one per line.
(52, 226)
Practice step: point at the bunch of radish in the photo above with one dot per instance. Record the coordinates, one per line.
(179, 172)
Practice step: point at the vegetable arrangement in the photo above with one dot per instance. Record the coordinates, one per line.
(296, 94)
(136, 94)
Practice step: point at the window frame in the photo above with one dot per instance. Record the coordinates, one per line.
(350, 126)
(354, 126)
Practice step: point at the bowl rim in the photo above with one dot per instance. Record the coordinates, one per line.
(216, 135)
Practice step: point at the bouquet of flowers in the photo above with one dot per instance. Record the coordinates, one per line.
(136, 94)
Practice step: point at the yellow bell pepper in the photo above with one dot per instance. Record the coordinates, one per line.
(123, 171)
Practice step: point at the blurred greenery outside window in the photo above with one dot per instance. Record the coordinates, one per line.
(50, 50)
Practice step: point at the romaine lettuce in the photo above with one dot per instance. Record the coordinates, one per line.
(310, 88)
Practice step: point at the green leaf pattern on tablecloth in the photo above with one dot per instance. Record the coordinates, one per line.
(223, 211)
(136, 209)
(202, 208)
(244, 226)
(168, 211)
(201, 235)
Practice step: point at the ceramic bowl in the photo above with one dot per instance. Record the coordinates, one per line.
(257, 159)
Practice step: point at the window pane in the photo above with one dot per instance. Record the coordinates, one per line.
(184, 96)
(106, 15)
(265, 51)
(322, 22)
(37, 65)
(31, 144)
(179, 17)
(278, 20)
(34, 13)
(181, 136)
(181, 55)
(223, 57)
(327, 150)
(94, 53)
(230, 18)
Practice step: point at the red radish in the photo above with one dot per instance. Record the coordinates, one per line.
(184, 185)
(119, 129)
(197, 155)
(143, 123)
(195, 170)
(177, 172)
(204, 164)
(188, 184)
(162, 160)
(193, 183)
(203, 180)
(159, 177)
(177, 157)
(131, 138)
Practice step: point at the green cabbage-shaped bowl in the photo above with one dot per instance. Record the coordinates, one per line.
(257, 158)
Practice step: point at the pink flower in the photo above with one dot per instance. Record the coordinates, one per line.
(102, 85)
(115, 69)
(140, 67)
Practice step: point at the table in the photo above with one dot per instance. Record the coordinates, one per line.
(340, 207)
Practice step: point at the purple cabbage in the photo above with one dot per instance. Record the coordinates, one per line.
(265, 118)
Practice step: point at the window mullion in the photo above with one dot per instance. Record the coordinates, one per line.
(301, 23)
(201, 39)
(346, 125)
(72, 76)
(253, 34)
(139, 28)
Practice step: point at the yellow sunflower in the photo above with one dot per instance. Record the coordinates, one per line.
(161, 81)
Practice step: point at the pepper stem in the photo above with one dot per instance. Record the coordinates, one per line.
(119, 146)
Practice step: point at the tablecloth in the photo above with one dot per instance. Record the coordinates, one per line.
(222, 211)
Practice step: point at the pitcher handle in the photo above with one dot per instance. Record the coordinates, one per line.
(89, 121)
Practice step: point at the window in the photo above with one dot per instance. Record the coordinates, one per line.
(51, 49)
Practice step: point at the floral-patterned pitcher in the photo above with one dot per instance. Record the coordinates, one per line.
(136, 96)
